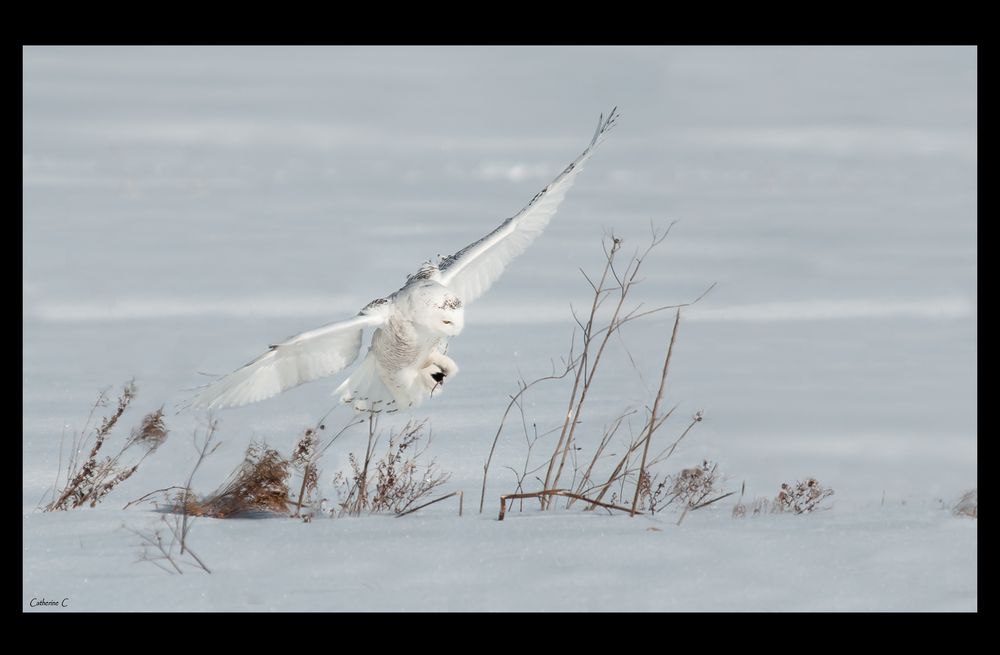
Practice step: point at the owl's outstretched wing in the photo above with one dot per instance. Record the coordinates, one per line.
(302, 358)
(471, 270)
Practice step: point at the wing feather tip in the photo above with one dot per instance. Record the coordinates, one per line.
(604, 125)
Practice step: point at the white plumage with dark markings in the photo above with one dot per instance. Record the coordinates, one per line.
(406, 362)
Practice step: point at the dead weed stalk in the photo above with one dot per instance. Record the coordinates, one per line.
(799, 498)
(392, 482)
(90, 480)
(582, 365)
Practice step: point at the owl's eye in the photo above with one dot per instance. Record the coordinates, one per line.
(446, 322)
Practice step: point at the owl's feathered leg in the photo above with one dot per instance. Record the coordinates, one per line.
(435, 370)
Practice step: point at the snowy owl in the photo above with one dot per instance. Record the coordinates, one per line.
(406, 362)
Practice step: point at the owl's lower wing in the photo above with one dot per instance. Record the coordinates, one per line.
(302, 358)
(471, 270)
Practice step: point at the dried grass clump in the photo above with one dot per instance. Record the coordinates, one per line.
(94, 478)
(967, 505)
(259, 484)
(801, 498)
(394, 482)
(693, 486)
(689, 488)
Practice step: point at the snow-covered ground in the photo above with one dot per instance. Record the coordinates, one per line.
(183, 208)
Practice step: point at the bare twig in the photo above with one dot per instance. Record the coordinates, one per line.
(614, 285)
(513, 402)
(656, 407)
(203, 452)
(166, 550)
(709, 502)
(609, 433)
(145, 496)
(625, 284)
(554, 492)
(622, 470)
(667, 452)
(572, 409)
(436, 500)
(739, 509)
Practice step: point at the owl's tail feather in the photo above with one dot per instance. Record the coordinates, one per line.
(365, 391)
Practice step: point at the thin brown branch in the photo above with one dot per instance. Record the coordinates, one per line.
(145, 496)
(656, 406)
(573, 416)
(203, 452)
(667, 452)
(554, 492)
(496, 438)
(609, 433)
(436, 500)
(622, 470)
(709, 502)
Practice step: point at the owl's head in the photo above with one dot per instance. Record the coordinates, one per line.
(442, 312)
(450, 315)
